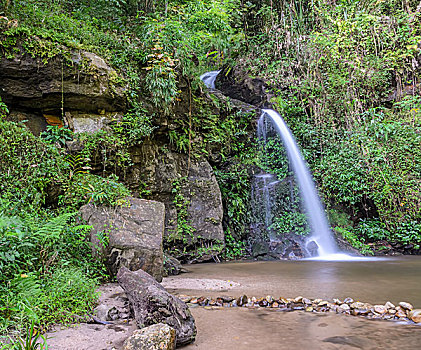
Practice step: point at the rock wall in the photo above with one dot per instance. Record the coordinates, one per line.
(165, 173)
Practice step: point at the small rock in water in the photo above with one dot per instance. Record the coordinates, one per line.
(242, 300)
(270, 299)
(405, 305)
(400, 313)
(415, 315)
(357, 305)
(389, 305)
(337, 301)
(298, 299)
(348, 300)
(306, 301)
(309, 309)
(379, 309)
(323, 303)
(185, 298)
(283, 300)
(344, 308)
(316, 301)
(275, 304)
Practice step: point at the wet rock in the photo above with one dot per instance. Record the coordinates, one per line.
(270, 299)
(156, 337)
(389, 305)
(415, 315)
(235, 83)
(344, 308)
(242, 300)
(172, 266)
(298, 299)
(306, 301)
(323, 303)
(152, 304)
(135, 232)
(405, 305)
(312, 248)
(380, 309)
(348, 300)
(337, 301)
(357, 305)
(400, 313)
(309, 309)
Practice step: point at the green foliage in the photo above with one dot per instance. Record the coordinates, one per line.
(55, 134)
(332, 71)
(355, 240)
(89, 188)
(44, 269)
(32, 340)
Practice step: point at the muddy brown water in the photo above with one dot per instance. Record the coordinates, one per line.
(376, 281)
(373, 281)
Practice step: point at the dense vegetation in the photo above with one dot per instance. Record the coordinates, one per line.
(345, 75)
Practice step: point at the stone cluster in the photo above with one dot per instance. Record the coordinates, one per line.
(402, 312)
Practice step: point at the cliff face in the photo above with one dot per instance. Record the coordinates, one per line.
(93, 99)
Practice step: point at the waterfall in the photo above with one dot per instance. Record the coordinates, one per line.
(321, 233)
(208, 78)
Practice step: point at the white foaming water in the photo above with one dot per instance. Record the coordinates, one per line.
(320, 229)
(208, 78)
(344, 257)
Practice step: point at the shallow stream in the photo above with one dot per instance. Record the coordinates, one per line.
(375, 281)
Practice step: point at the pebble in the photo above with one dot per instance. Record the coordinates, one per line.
(348, 300)
(405, 305)
(270, 299)
(415, 315)
(380, 309)
(344, 307)
(389, 305)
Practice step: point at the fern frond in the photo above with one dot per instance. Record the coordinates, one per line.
(53, 228)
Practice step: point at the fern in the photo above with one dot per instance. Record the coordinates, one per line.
(51, 230)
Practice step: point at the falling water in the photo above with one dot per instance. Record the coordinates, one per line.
(321, 232)
(208, 78)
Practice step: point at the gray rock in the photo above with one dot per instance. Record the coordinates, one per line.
(152, 304)
(134, 233)
(172, 266)
(156, 337)
(88, 83)
(196, 184)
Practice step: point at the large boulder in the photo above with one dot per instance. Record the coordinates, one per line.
(152, 304)
(134, 233)
(156, 337)
(89, 90)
